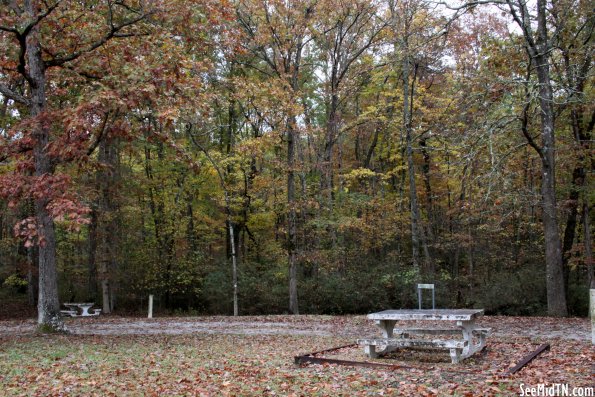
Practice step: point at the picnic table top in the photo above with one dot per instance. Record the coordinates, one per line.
(427, 314)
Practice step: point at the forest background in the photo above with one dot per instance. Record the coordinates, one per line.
(306, 156)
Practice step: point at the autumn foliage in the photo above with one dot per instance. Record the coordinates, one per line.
(340, 152)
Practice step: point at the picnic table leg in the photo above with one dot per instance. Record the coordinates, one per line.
(387, 327)
(455, 356)
(370, 351)
(468, 327)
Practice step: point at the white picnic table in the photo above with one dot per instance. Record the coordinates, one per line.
(73, 309)
(471, 338)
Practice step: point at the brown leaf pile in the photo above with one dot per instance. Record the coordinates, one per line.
(230, 362)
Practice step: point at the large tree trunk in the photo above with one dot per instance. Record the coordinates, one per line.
(48, 304)
(539, 49)
(556, 296)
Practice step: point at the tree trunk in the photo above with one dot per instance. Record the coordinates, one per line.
(291, 218)
(428, 187)
(92, 258)
(539, 49)
(107, 181)
(578, 176)
(234, 263)
(556, 296)
(327, 162)
(414, 208)
(48, 304)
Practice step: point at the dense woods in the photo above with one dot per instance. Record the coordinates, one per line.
(303, 156)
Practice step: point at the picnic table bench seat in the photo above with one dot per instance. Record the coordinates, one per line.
(439, 331)
(455, 347)
(406, 342)
(80, 309)
(428, 331)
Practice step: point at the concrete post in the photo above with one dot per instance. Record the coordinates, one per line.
(592, 305)
(150, 306)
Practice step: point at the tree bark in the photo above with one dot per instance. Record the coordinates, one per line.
(92, 258)
(291, 218)
(413, 207)
(48, 304)
(556, 295)
(332, 131)
(108, 225)
(539, 51)
(553, 251)
(234, 264)
(417, 234)
(428, 187)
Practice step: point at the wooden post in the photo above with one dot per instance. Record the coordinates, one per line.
(150, 306)
(592, 316)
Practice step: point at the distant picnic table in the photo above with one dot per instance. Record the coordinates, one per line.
(80, 310)
(472, 338)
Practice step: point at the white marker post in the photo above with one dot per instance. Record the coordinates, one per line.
(592, 305)
(150, 306)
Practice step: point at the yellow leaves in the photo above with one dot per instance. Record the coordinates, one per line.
(362, 173)
(358, 175)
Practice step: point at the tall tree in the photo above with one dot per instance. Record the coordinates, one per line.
(31, 50)
(279, 32)
(346, 31)
(403, 18)
(535, 29)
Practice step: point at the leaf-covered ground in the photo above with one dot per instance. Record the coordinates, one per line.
(246, 356)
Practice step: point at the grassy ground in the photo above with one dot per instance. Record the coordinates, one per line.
(201, 364)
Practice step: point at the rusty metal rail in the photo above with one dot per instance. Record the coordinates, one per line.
(528, 358)
(311, 358)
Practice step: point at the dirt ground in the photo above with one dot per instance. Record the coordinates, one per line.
(533, 328)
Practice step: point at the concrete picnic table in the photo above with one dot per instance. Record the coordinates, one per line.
(459, 348)
(84, 307)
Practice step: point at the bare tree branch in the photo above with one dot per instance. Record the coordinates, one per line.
(7, 92)
(114, 32)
